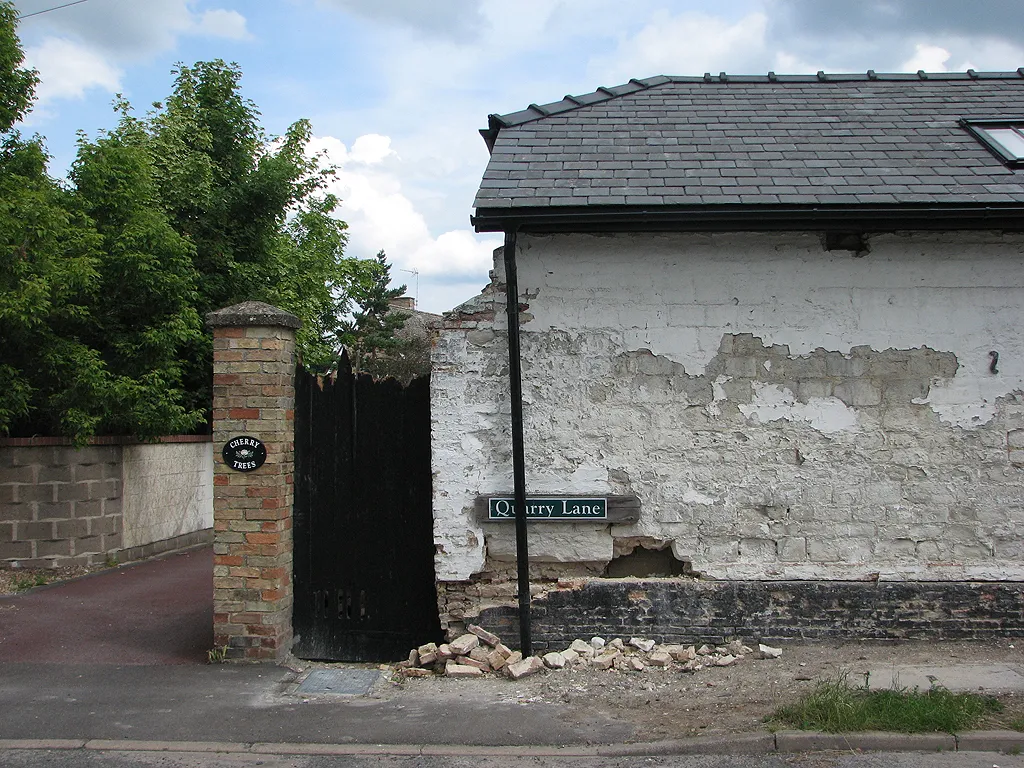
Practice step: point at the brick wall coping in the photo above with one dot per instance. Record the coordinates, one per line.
(254, 313)
(25, 442)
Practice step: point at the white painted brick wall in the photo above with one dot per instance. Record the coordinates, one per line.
(898, 454)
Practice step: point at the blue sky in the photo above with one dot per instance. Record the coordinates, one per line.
(397, 89)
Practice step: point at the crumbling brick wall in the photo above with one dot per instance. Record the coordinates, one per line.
(783, 412)
(715, 612)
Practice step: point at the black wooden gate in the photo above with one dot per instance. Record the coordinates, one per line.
(364, 553)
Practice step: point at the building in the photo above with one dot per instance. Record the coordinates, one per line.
(778, 320)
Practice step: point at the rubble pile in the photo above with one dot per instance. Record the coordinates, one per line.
(479, 652)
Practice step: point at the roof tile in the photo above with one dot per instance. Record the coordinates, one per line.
(750, 140)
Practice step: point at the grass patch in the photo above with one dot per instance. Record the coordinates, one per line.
(836, 706)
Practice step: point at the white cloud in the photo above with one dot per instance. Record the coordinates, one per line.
(930, 58)
(381, 215)
(89, 46)
(687, 44)
(117, 29)
(221, 23)
(68, 69)
(371, 148)
(986, 54)
(131, 30)
(789, 63)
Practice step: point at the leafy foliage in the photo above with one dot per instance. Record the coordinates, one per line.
(104, 283)
(144, 314)
(370, 334)
(49, 277)
(49, 259)
(253, 208)
(17, 85)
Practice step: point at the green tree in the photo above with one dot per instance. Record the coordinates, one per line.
(103, 284)
(254, 208)
(369, 335)
(144, 316)
(50, 381)
(17, 84)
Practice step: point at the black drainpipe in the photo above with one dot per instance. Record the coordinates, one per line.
(515, 375)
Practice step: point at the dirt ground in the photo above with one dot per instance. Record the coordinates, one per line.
(669, 704)
(13, 580)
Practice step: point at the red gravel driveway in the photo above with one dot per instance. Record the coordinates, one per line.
(155, 612)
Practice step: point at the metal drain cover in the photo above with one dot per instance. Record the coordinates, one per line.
(345, 682)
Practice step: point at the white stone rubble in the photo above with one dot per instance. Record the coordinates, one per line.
(767, 652)
(554, 660)
(480, 652)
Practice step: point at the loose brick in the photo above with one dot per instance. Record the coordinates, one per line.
(485, 636)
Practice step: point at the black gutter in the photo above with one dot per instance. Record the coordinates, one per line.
(515, 375)
(752, 218)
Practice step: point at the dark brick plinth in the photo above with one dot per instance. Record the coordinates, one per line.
(714, 611)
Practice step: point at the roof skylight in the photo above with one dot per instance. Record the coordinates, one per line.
(1004, 138)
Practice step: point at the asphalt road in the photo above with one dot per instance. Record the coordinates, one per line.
(107, 759)
(120, 656)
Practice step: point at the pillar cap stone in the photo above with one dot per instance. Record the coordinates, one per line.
(252, 313)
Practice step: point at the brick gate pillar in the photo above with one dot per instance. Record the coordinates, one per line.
(253, 396)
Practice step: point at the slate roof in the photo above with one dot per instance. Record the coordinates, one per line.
(745, 143)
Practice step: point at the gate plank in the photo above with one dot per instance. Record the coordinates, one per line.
(364, 569)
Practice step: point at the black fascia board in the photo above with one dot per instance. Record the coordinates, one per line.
(726, 218)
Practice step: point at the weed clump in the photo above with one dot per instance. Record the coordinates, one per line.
(30, 581)
(836, 706)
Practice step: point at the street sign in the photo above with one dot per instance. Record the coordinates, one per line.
(551, 508)
(244, 453)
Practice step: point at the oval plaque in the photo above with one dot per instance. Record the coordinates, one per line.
(244, 453)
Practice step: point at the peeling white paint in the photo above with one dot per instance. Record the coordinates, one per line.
(968, 400)
(693, 496)
(718, 395)
(782, 462)
(827, 415)
(950, 292)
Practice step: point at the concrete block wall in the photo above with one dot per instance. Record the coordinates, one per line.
(61, 505)
(783, 412)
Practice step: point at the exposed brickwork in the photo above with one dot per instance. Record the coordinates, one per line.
(253, 394)
(714, 611)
